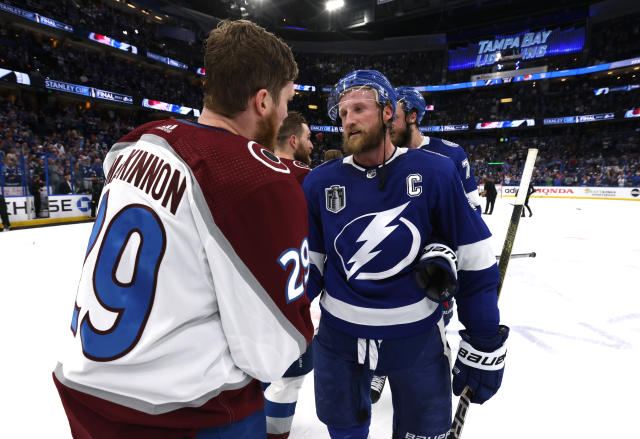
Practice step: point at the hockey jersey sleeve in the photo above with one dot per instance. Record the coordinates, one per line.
(468, 179)
(466, 232)
(258, 263)
(317, 252)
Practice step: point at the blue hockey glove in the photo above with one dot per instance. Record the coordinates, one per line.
(436, 272)
(480, 365)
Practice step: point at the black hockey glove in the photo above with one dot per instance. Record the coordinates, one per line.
(436, 272)
(480, 365)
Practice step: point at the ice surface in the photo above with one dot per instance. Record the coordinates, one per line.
(574, 313)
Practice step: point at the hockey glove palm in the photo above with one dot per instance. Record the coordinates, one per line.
(436, 272)
(480, 365)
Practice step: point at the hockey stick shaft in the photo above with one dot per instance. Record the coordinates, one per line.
(520, 255)
(467, 394)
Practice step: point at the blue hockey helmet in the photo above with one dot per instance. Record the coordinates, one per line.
(413, 100)
(362, 79)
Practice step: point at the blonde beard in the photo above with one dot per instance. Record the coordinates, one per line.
(302, 155)
(267, 132)
(367, 141)
(402, 139)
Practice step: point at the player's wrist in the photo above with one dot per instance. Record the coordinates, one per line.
(486, 344)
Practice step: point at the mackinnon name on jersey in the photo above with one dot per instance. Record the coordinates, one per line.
(150, 174)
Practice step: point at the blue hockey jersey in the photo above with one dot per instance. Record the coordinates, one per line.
(364, 243)
(461, 162)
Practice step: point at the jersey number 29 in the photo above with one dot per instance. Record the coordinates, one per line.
(300, 258)
(138, 232)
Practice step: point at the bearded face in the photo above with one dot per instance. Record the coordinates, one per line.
(400, 133)
(363, 139)
(401, 136)
(302, 155)
(267, 131)
(304, 146)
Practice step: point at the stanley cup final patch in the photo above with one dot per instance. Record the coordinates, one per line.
(336, 198)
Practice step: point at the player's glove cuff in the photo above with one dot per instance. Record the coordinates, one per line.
(484, 353)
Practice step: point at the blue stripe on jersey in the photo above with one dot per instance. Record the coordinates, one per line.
(279, 410)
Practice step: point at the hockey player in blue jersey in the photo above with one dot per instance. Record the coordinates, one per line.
(411, 109)
(405, 133)
(391, 237)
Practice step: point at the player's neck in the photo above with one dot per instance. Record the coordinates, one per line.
(375, 157)
(416, 137)
(283, 154)
(210, 118)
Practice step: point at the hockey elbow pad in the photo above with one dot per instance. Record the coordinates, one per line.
(436, 272)
(480, 365)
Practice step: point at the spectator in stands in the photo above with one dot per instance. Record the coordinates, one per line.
(65, 187)
(12, 174)
(56, 173)
(331, 154)
(86, 172)
(97, 168)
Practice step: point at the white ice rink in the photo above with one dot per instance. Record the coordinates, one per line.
(574, 312)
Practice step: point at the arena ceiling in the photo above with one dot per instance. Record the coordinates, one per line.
(377, 19)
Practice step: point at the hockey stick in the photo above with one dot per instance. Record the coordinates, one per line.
(520, 255)
(467, 394)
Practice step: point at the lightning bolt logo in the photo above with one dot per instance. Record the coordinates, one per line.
(376, 232)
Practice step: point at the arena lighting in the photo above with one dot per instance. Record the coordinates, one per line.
(506, 100)
(131, 6)
(332, 5)
(313, 107)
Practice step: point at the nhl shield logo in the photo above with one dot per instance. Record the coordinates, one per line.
(336, 198)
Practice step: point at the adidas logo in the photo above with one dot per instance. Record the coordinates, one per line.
(167, 128)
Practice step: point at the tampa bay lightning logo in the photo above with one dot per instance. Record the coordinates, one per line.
(377, 245)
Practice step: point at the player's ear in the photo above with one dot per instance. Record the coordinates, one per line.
(260, 102)
(412, 117)
(292, 141)
(387, 114)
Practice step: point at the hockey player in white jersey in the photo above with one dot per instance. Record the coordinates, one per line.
(293, 146)
(391, 237)
(405, 133)
(193, 286)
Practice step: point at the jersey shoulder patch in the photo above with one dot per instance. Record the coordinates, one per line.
(301, 165)
(448, 143)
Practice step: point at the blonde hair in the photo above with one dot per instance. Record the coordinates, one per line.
(331, 154)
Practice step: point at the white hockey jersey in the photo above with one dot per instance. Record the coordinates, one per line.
(194, 278)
